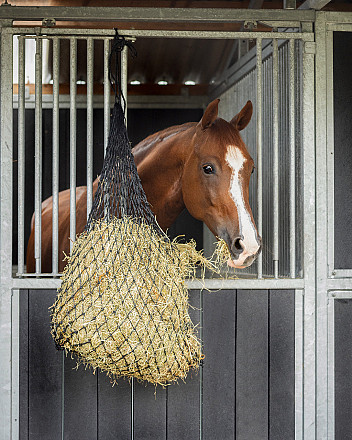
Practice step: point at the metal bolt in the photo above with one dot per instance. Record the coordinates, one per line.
(49, 22)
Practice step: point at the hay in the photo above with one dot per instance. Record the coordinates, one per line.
(123, 304)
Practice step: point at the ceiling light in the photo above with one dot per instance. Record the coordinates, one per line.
(80, 81)
(135, 82)
(162, 82)
(190, 83)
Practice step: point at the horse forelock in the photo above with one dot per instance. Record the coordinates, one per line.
(219, 136)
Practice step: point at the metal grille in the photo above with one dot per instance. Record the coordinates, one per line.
(276, 187)
(284, 265)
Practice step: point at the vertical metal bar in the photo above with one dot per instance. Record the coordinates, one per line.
(124, 70)
(299, 307)
(327, 241)
(275, 159)
(308, 118)
(6, 186)
(21, 151)
(330, 425)
(123, 86)
(259, 152)
(15, 354)
(292, 104)
(324, 147)
(90, 65)
(38, 158)
(106, 94)
(73, 91)
(201, 376)
(55, 237)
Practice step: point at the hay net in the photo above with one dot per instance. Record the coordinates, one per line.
(123, 305)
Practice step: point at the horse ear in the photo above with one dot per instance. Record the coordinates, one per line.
(241, 120)
(210, 114)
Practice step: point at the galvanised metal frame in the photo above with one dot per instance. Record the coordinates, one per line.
(331, 283)
(10, 286)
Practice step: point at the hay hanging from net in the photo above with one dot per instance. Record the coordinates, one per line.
(123, 312)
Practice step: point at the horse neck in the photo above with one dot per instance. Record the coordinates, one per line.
(160, 160)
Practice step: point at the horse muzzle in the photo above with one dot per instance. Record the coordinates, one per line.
(243, 254)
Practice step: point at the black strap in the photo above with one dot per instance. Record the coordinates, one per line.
(117, 46)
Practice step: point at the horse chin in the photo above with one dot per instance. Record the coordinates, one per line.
(231, 263)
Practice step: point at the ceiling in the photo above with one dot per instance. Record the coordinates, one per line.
(172, 60)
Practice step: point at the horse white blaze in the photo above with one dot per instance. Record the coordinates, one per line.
(250, 245)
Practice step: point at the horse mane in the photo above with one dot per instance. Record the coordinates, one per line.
(145, 145)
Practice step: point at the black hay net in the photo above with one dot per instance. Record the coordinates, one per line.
(123, 304)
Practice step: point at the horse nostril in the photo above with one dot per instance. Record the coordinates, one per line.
(237, 247)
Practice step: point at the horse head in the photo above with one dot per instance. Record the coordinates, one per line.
(215, 183)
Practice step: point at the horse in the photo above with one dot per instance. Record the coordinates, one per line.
(202, 166)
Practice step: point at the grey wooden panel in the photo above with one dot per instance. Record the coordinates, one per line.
(343, 372)
(343, 151)
(80, 401)
(23, 380)
(219, 365)
(282, 364)
(149, 412)
(183, 399)
(45, 370)
(114, 409)
(252, 365)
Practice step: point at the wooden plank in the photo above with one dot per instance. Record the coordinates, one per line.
(149, 412)
(282, 365)
(45, 370)
(252, 365)
(219, 365)
(183, 399)
(23, 381)
(114, 409)
(80, 401)
(343, 362)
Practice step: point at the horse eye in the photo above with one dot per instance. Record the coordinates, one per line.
(208, 169)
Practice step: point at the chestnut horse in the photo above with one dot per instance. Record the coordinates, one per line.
(204, 167)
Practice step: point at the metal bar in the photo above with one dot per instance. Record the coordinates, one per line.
(323, 81)
(159, 15)
(21, 151)
(292, 104)
(331, 367)
(343, 284)
(314, 4)
(330, 153)
(134, 101)
(106, 94)
(105, 33)
(55, 237)
(259, 152)
(309, 245)
(123, 86)
(38, 158)
(6, 185)
(90, 66)
(275, 159)
(15, 355)
(245, 283)
(73, 91)
(299, 307)
(124, 70)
